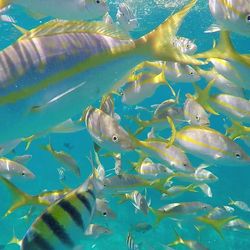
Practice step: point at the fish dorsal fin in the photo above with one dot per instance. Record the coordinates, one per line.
(224, 49)
(56, 27)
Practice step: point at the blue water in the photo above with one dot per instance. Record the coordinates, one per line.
(233, 181)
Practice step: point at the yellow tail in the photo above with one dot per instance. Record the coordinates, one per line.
(158, 44)
(20, 198)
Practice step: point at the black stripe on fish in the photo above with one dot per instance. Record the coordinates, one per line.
(91, 193)
(72, 212)
(84, 200)
(57, 229)
(33, 240)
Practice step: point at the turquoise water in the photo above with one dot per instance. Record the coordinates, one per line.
(233, 181)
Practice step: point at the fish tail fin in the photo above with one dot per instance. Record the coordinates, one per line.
(122, 198)
(158, 44)
(224, 49)
(158, 216)
(231, 201)
(4, 4)
(191, 188)
(20, 198)
(14, 240)
(48, 147)
(218, 224)
(203, 95)
(236, 130)
(179, 240)
(159, 185)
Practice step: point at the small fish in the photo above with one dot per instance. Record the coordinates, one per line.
(149, 169)
(175, 191)
(220, 82)
(131, 242)
(103, 209)
(239, 204)
(227, 61)
(10, 169)
(74, 10)
(185, 45)
(190, 244)
(96, 231)
(142, 227)
(65, 65)
(141, 87)
(237, 224)
(138, 200)
(194, 113)
(126, 18)
(178, 210)
(63, 223)
(234, 107)
(211, 146)
(233, 15)
(218, 213)
(68, 161)
(106, 131)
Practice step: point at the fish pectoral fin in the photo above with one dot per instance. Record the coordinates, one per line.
(217, 156)
(213, 28)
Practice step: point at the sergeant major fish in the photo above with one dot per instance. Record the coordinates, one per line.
(67, 65)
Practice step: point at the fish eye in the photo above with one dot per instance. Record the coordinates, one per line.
(248, 18)
(23, 174)
(197, 118)
(104, 213)
(237, 155)
(97, 1)
(115, 138)
(185, 164)
(188, 46)
(191, 73)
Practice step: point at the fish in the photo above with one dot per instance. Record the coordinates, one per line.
(174, 71)
(234, 107)
(185, 45)
(190, 244)
(103, 209)
(106, 131)
(178, 210)
(126, 18)
(138, 200)
(227, 61)
(96, 231)
(237, 224)
(211, 146)
(64, 158)
(230, 15)
(131, 242)
(151, 170)
(63, 223)
(201, 174)
(194, 113)
(142, 227)
(141, 87)
(10, 169)
(240, 204)
(220, 82)
(21, 198)
(34, 89)
(178, 190)
(172, 156)
(74, 10)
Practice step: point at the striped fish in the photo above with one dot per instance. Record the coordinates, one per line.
(131, 243)
(63, 224)
(56, 70)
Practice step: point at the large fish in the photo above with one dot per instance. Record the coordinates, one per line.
(57, 69)
(63, 9)
(63, 223)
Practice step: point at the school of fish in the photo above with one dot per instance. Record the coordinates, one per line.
(68, 75)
